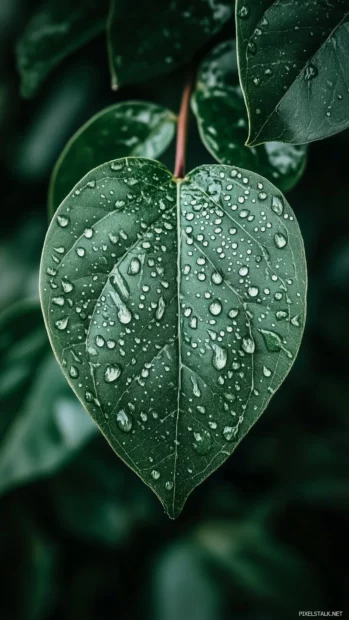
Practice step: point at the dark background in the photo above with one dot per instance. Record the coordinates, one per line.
(84, 539)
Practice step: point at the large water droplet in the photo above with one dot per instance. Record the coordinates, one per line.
(216, 278)
(73, 372)
(248, 345)
(229, 433)
(112, 373)
(280, 241)
(232, 314)
(196, 389)
(215, 307)
(124, 314)
(63, 221)
(243, 12)
(160, 309)
(220, 357)
(253, 291)
(266, 371)
(310, 72)
(134, 267)
(124, 421)
(277, 205)
(202, 442)
(61, 324)
(243, 271)
(67, 286)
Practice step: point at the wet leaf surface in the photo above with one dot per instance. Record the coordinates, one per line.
(176, 309)
(130, 128)
(220, 110)
(293, 60)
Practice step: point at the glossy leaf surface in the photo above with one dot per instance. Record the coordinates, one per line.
(293, 59)
(164, 35)
(176, 309)
(57, 29)
(131, 128)
(222, 119)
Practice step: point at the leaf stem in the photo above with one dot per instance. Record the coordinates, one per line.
(182, 130)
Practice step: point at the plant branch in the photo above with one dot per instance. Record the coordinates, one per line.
(182, 130)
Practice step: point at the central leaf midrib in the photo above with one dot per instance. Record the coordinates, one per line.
(179, 340)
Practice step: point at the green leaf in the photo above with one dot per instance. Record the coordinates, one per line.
(292, 61)
(222, 119)
(58, 28)
(42, 423)
(130, 128)
(163, 37)
(157, 295)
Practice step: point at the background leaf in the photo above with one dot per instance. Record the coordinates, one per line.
(124, 129)
(222, 119)
(299, 93)
(111, 297)
(44, 430)
(57, 29)
(164, 35)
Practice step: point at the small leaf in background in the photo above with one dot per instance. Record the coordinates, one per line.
(40, 432)
(293, 59)
(164, 35)
(132, 128)
(176, 309)
(222, 567)
(220, 110)
(58, 28)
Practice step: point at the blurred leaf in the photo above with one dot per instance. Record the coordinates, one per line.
(303, 96)
(97, 498)
(222, 119)
(132, 128)
(43, 424)
(164, 35)
(98, 254)
(182, 587)
(28, 567)
(58, 28)
(23, 344)
(259, 568)
(231, 569)
(38, 577)
(74, 95)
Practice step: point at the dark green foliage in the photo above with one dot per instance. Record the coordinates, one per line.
(293, 59)
(222, 119)
(81, 537)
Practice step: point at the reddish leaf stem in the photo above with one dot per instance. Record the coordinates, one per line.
(182, 130)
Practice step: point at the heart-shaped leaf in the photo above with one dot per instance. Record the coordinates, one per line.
(220, 109)
(164, 35)
(128, 128)
(176, 309)
(58, 28)
(293, 59)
